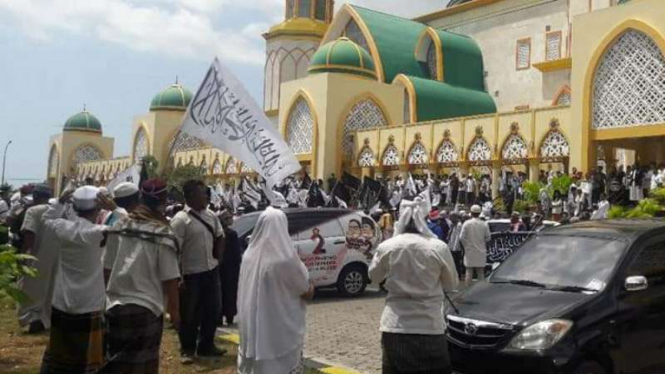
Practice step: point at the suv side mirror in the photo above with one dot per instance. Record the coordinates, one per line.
(636, 283)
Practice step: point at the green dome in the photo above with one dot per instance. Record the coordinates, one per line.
(83, 121)
(343, 56)
(174, 97)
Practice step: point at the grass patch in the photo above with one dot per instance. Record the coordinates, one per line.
(21, 353)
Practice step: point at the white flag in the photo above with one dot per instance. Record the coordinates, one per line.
(276, 199)
(131, 174)
(223, 114)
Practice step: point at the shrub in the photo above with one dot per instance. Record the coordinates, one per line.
(617, 212)
(12, 266)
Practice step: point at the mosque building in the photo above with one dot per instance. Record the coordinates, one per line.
(478, 86)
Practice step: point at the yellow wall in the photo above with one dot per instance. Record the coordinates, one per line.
(592, 34)
(68, 142)
(332, 96)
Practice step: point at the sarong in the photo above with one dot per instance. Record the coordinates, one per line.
(415, 354)
(76, 343)
(134, 336)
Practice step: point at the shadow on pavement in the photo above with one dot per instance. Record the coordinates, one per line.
(331, 295)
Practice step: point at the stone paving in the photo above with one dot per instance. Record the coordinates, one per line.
(346, 331)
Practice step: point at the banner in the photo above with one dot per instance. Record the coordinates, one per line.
(504, 244)
(131, 174)
(223, 114)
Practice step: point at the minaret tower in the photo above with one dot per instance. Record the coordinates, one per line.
(290, 46)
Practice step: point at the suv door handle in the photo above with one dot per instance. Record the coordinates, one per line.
(339, 242)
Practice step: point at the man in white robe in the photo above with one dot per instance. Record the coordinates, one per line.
(474, 237)
(38, 241)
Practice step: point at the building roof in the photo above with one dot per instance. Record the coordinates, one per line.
(83, 121)
(438, 100)
(396, 39)
(174, 97)
(462, 60)
(343, 56)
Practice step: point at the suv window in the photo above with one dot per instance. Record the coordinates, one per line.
(650, 262)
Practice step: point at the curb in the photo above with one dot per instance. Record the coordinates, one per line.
(321, 365)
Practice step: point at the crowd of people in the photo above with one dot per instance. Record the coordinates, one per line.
(112, 264)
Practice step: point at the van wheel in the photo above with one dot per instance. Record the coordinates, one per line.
(352, 281)
(589, 367)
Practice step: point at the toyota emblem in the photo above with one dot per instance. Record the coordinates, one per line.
(470, 329)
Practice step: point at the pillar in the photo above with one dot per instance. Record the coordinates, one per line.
(496, 177)
(534, 169)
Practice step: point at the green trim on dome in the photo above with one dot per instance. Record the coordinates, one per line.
(83, 121)
(174, 97)
(396, 39)
(437, 100)
(343, 56)
(462, 61)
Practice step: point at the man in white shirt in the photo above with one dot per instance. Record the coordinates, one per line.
(144, 276)
(201, 239)
(418, 268)
(75, 344)
(125, 199)
(4, 202)
(470, 190)
(474, 237)
(35, 310)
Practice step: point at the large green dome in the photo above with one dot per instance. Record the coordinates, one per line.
(343, 56)
(83, 121)
(174, 97)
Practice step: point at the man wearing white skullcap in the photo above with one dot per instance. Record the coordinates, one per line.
(79, 295)
(474, 237)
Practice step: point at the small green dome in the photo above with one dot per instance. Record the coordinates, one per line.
(343, 56)
(174, 97)
(83, 121)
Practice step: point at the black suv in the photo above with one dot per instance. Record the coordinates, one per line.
(587, 298)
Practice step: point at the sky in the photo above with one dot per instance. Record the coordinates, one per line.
(113, 56)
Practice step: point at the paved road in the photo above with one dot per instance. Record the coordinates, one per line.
(346, 331)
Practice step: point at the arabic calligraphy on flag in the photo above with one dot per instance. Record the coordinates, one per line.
(224, 115)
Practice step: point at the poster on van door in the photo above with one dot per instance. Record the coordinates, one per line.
(331, 253)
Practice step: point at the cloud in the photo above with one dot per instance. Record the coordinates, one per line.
(182, 28)
(177, 28)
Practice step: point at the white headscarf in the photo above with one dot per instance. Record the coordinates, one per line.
(272, 279)
(415, 210)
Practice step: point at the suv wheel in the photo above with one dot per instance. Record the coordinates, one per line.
(589, 367)
(352, 281)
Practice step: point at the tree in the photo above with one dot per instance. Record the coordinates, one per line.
(177, 177)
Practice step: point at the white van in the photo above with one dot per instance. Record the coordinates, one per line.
(336, 245)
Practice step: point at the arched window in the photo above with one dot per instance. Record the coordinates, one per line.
(53, 162)
(479, 150)
(321, 10)
(418, 154)
(431, 62)
(364, 114)
(390, 156)
(231, 166)
(629, 85)
(407, 107)
(564, 98)
(217, 167)
(447, 153)
(515, 148)
(300, 128)
(184, 142)
(140, 145)
(204, 166)
(305, 8)
(85, 153)
(353, 32)
(554, 145)
(366, 158)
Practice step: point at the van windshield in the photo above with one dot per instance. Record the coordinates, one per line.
(564, 262)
